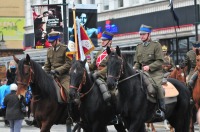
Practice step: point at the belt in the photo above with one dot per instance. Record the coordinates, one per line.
(100, 67)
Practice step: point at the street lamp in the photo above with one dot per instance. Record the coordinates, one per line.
(2, 42)
(196, 20)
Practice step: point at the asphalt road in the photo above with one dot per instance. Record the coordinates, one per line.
(62, 128)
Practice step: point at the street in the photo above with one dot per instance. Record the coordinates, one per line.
(62, 128)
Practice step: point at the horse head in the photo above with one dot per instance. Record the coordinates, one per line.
(114, 67)
(23, 74)
(198, 59)
(77, 79)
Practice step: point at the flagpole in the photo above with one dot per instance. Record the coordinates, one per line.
(75, 31)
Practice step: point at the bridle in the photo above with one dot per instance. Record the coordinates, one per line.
(29, 79)
(120, 73)
(78, 89)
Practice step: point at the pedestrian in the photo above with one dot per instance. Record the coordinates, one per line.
(99, 66)
(149, 58)
(57, 63)
(10, 74)
(13, 109)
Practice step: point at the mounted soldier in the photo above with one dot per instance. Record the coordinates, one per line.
(149, 58)
(99, 66)
(190, 61)
(57, 62)
(168, 64)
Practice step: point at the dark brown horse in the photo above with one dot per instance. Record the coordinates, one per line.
(44, 105)
(179, 74)
(196, 90)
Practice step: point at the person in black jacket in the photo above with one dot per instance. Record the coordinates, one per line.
(13, 109)
(10, 75)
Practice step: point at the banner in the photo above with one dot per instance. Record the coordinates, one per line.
(88, 20)
(12, 28)
(46, 19)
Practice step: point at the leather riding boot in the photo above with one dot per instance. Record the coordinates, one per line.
(104, 90)
(192, 80)
(161, 112)
(164, 81)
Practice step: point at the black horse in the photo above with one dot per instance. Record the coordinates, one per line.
(44, 104)
(94, 111)
(132, 101)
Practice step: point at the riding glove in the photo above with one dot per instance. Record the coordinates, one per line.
(54, 72)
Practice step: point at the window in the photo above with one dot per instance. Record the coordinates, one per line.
(92, 1)
(120, 3)
(106, 7)
(79, 1)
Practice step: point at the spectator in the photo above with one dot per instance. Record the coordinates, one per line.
(13, 110)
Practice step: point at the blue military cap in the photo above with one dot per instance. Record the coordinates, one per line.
(54, 35)
(145, 29)
(107, 35)
(196, 45)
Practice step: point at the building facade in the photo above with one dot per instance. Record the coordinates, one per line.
(124, 17)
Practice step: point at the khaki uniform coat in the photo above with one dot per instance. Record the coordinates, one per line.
(57, 60)
(190, 61)
(151, 55)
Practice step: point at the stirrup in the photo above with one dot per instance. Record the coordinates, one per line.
(160, 114)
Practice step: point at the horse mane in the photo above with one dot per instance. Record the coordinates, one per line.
(126, 64)
(43, 81)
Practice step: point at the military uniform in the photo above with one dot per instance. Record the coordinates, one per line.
(57, 60)
(99, 66)
(102, 68)
(190, 61)
(151, 54)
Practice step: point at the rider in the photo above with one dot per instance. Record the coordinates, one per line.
(190, 61)
(57, 62)
(99, 65)
(168, 61)
(149, 58)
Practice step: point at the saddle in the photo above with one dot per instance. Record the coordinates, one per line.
(168, 88)
(60, 90)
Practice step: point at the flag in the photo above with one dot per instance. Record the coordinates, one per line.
(85, 45)
(175, 17)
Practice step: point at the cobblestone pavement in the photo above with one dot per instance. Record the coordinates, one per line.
(62, 128)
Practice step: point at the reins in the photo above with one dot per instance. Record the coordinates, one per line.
(121, 72)
(81, 84)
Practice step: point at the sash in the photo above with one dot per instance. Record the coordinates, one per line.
(100, 58)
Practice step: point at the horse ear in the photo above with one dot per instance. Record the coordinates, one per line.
(118, 51)
(73, 60)
(28, 59)
(84, 61)
(197, 51)
(108, 50)
(15, 59)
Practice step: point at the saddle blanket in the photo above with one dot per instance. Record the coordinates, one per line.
(170, 90)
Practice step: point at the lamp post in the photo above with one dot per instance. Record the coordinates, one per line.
(2, 42)
(196, 19)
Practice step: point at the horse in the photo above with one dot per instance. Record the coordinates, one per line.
(44, 105)
(196, 89)
(94, 111)
(179, 74)
(133, 104)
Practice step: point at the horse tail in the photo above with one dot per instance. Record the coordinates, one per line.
(183, 107)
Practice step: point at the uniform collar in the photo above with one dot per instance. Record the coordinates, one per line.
(57, 47)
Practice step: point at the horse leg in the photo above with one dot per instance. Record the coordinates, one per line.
(46, 126)
(120, 127)
(152, 127)
(166, 125)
